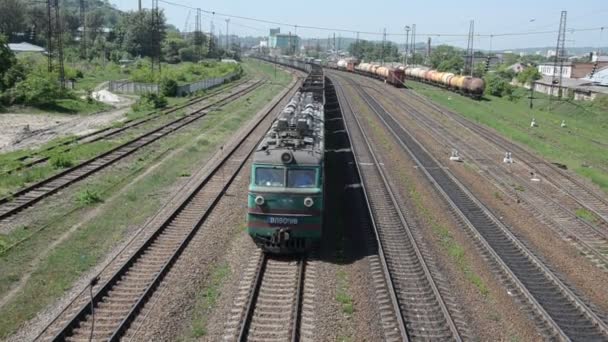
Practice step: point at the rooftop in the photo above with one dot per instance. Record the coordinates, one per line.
(25, 47)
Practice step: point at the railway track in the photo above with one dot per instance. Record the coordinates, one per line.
(587, 197)
(124, 288)
(32, 194)
(274, 306)
(545, 202)
(558, 310)
(425, 311)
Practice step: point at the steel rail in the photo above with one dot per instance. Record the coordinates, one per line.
(30, 195)
(500, 141)
(553, 291)
(255, 293)
(406, 228)
(106, 288)
(574, 234)
(103, 132)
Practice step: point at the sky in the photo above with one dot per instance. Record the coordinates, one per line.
(434, 18)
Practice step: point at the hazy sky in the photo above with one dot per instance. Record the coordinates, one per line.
(430, 17)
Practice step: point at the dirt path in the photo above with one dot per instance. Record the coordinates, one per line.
(31, 130)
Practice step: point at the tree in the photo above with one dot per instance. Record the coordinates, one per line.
(510, 59)
(496, 85)
(7, 60)
(528, 75)
(12, 17)
(448, 55)
(135, 34)
(171, 48)
(374, 51)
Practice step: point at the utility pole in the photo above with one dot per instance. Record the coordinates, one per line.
(59, 34)
(156, 33)
(227, 34)
(468, 67)
(383, 45)
(407, 41)
(139, 7)
(49, 34)
(531, 97)
(334, 47)
(198, 34)
(413, 49)
(211, 34)
(560, 54)
(428, 50)
(83, 23)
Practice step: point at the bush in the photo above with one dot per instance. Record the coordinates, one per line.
(497, 86)
(89, 197)
(168, 87)
(150, 101)
(61, 161)
(39, 88)
(188, 54)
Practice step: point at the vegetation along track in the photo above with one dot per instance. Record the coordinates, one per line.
(558, 310)
(38, 157)
(423, 307)
(549, 203)
(274, 304)
(123, 290)
(28, 196)
(587, 197)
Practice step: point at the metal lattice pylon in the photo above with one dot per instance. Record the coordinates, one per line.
(468, 67)
(560, 55)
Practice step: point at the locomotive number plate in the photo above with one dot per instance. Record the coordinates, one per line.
(282, 220)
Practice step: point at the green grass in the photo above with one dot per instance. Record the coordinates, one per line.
(582, 146)
(89, 197)
(454, 249)
(133, 205)
(207, 298)
(586, 215)
(93, 76)
(59, 160)
(342, 293)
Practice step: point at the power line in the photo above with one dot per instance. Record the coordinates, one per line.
(321, 28)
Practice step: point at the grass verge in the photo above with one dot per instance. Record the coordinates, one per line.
(207, 298)
(454, 250)
(581, 146)
(131, 206)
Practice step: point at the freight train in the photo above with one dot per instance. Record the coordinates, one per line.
(286, 192)
(469, 86)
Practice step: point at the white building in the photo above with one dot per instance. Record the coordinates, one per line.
(548, 69)
(551, 53)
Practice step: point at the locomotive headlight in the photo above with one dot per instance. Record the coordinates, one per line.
(308, 202)
(259, 200)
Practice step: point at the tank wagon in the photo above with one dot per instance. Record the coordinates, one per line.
(394, 76)
(471, 86)
(286, 198)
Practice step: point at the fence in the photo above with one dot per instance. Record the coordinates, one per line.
(204, 84)
(127, 87)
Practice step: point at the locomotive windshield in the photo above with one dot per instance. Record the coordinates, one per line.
(301, 178)
(268, 176)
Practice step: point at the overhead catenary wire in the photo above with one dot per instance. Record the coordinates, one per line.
(379, 33)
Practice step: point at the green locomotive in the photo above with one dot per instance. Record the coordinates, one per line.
(285, 200)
